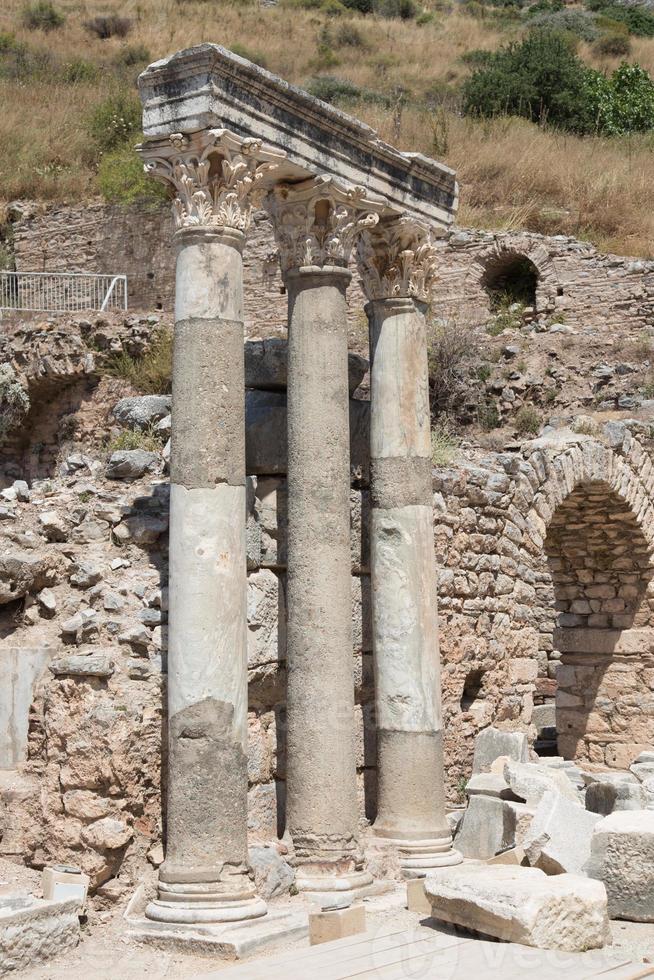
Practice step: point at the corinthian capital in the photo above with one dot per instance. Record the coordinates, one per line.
(317, 222)
(217, 176)
(397, 258)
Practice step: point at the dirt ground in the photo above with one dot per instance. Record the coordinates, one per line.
(107, 953)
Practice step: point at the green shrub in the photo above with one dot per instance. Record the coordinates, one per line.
(544, 7)
(363, 6)
(149, 440)
(115, 120)
(444, 442)
(42, 16)
(331, 89)
(79, 70)
(636, 19)
(476, 58)
(623, 103)
(396, 9)
(527, 421)
(108, 25)
(349, 36)
(255, 56)
(613, 45)
(579, 23)
(488, 414)
(133, 56)
(14, 400)
(121, 177)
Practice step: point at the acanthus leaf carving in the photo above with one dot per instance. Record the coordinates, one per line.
(317, 222)
(397, 258)
(217, 176)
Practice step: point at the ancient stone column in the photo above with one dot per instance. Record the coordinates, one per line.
(205, 876)
(396, 262)
(316, 224)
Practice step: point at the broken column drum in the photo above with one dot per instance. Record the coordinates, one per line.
(396, 261)
(316, 225)
(205, 876)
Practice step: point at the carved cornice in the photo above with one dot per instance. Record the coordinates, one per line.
(397, 258)
(317, 222)
(217, 176)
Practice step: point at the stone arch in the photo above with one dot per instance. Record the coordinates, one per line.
(592, 518)
(514, 255)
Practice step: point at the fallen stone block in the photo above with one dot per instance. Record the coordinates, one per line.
(336, 924)
(522, 814)
(142, 411)
(522, 905)
(33, 930)
(559, 838)
(530, 781)
(491, 743)
(272, 874)
(488, 827)
(622, 857)
(514, 856)
(490, 784)
(608, 791)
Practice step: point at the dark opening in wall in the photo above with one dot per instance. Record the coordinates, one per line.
(472, 690)
(510, 279)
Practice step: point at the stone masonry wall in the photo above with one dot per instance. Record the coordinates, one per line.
(575, 281)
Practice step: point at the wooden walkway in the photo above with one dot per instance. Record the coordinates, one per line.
(425, 954)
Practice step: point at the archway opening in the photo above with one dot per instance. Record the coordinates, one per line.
(601, 571)
(510, 278)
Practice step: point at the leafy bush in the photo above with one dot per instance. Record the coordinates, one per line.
(121, 178)
(108, 25)
(115, 120)
(14, 400)
(255, 56)
(363, 6)
(476, 58)
(79, 70)
(580, 23)
(349, 36)
(453, 350)
(132, 56)
(331, 89)
(42, 16)
(527, 421)
(613, 45)
(638, 20)
(399, 9)
(542, 79)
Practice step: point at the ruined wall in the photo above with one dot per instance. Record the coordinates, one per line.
(575, 281)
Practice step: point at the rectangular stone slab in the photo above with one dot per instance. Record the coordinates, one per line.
(522, 905)
(209, 87)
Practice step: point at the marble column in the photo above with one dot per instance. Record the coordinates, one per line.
(205, 876)
(396, 262)
(315, 225)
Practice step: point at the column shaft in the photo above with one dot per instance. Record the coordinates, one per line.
(411, 806)
(322, 803)
(205, 876)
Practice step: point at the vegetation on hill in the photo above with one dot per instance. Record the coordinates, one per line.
(531, 103)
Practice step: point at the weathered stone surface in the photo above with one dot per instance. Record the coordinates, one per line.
(131, 464)
(265, 365)
(107, 834)
(606, 792)
(490, 784)
(559, 837)
(488, 827)
(522, 905)
(530, 781)
(622, 857)
(33, 930)
(142, 411)
(23, 572)
(491, 743)
(272, 874)
(83, 665)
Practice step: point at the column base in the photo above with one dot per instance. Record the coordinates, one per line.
(334, 889)
(418, 858)
(193, 902)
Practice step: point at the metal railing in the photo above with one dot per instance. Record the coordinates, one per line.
(54, 292)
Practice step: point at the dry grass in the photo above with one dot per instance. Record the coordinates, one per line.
(512, 174)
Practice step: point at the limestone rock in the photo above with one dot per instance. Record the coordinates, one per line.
(272, 874)
(140, 412)
(559, 836)
(131, 464)
(490, 784)
(34, 930)
(492, 743)
(522, 905)
(530, 781)
(85, 574)
(265, 365)
(107, 834)
(23, 572)
(54, 525)
(608, 791)
(488, 827)
(622, 857)
(83, 665)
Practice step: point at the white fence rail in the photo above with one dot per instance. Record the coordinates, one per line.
(54, 292)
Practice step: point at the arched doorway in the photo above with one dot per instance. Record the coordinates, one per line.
(510, 278)
(600, 563)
